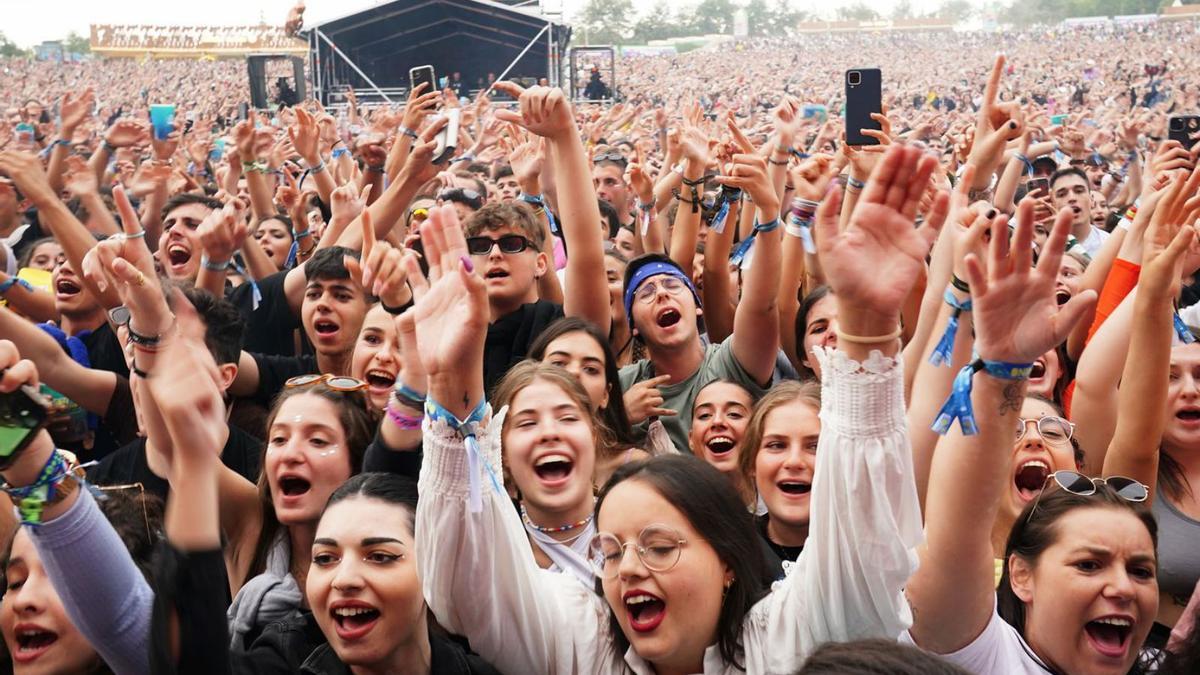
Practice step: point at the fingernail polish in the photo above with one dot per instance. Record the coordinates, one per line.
(467, 264)
(991, 214)
(1012, 125)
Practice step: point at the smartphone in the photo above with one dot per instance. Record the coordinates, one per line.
(25, 133)
(422, 74)
(1036, 184)
(447, 138)
(243, 111)
(1059, 120)
(864, 97)
(1183, 128)
(23, 413)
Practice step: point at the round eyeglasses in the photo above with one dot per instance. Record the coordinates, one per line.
(658, 547)
(1053, 430)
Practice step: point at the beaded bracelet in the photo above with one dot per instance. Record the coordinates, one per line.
(404, 422)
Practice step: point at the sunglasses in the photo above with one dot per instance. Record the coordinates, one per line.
(610, 156)
(510, 244)
(1078, 484)
(463, 196)
(340, 383)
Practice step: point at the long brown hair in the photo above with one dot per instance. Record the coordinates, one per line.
(808, 392)
(529, 371)
(358, 425)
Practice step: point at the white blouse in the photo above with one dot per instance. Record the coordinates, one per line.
(481, 581)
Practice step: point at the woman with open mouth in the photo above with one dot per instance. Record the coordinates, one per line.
(580, 348)
(1079, 590)
(363, 594)
(720, 416)
(780, 460)
(683, 585)
(318, 431)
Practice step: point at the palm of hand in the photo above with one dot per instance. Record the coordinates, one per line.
(876, 260)
(80, 182)
(1017, 320)
(526, 161)
(450, 322)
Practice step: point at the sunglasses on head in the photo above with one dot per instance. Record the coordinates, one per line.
(463, 196)
(609, 156)
(1078, 484)
(509, 243)
(340, 383)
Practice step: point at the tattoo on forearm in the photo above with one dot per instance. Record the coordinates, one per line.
(1012, 398)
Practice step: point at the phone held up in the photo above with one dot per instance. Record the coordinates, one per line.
(1184, 128)
(422, 75)
(23, 413)
(864, 97)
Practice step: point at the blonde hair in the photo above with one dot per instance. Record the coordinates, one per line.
(808, 393)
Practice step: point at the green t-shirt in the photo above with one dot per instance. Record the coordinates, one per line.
(718, 364)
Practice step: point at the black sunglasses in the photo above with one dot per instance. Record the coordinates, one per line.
(509, 243)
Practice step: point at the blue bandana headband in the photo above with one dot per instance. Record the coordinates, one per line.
(653, 269)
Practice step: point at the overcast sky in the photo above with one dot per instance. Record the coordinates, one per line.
(29, 22)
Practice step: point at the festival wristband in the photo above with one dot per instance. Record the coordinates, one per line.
(7, 284)
(468, 428)
(409, 396)
(958, 406)
(1182, 331)
(769, 226)
(943, 352)
(402, 421)
(213, 266)
(337, 152)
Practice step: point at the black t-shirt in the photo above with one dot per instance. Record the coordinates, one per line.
(269, 328)
(274, 371)
(242, 453)
(788, 553)
(104, 350)
(509, 338)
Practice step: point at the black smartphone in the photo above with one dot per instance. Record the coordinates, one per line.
(23, 413)
(864, 96)
(243, 111)
(1183, 128)
(422, 74)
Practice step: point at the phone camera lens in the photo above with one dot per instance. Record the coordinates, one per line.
(854, 78)
(1177, 123)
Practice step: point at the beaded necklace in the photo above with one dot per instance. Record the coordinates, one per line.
(554, 530)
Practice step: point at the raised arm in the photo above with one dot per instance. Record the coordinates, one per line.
(26, 172)
(848, 591)
(101, 589)
(547, 113)
(756, 322)
(532, 619)
(1142, 398)
(1016, 321)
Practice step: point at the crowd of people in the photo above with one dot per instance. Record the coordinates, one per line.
(681, 384)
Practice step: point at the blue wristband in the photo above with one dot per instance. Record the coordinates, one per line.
(769, 226)
(943, 352)
(958, 406)
(337, 152)
(1182, 331)
(6, 286)
(469, 428)
(212, 266)
(406, 393)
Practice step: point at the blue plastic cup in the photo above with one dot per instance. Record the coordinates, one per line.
(162, 118)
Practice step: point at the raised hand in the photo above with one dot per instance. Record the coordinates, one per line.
(1168, 237)
(78, 178)
(873, 264)
(1016, 315)
(75, 111)
(381, 271)
(27, 174)
(749, 173)
(995, 125)
(451, 310)
(419, 166)
(812, 177)
(526, 160)
(223, 231)
(347, 202)
(544, 111)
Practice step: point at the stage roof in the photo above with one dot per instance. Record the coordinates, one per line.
(475, 37)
